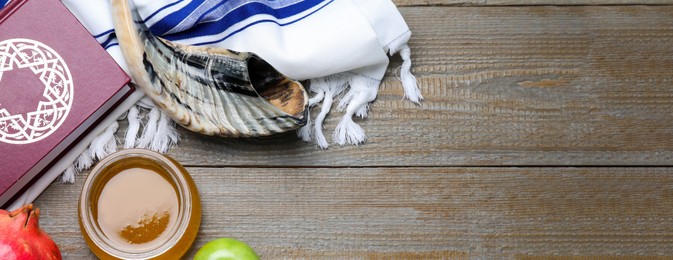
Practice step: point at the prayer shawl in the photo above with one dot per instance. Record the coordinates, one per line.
(341, 46)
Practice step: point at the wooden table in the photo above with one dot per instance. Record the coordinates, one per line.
(546, 131)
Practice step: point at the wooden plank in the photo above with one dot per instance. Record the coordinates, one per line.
(429, 213)
(504, 86)
(401, 3)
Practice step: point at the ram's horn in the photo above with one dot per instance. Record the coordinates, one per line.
(209, 90)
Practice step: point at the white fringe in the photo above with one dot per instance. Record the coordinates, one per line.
(150, 129)
(134, 126)
(105, 143)
(409, 82)
(68, 175)
(326, 89)
(101, 146)
(166, 135)
(159, 134)
(306, 133)
(324, 110)
(83, 162)
(317, 98)
(363, 90)
(360, 91)
(362, 112)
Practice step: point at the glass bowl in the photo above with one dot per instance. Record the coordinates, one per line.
(179, 236)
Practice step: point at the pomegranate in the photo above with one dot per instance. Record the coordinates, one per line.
(22, 238)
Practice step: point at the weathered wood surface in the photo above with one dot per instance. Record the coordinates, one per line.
(505, 86)
(527, 2)
(424, 213)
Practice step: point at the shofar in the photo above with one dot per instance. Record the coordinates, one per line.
(209, 90)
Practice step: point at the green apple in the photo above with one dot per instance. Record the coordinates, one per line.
(226, 249)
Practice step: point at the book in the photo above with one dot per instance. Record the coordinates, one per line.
(58, 88)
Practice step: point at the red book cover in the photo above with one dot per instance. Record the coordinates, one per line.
(55, 81)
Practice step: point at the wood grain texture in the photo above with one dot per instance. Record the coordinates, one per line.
(504, 86)
(401, 3)
(427, 213)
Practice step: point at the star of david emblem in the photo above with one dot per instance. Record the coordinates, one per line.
(56, 101)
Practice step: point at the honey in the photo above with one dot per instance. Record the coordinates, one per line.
(139, 204)
(136, 208)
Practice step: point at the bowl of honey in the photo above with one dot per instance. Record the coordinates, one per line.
(139, 204)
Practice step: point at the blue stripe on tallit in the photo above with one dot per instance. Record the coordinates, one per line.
(103, 33)
(212, 17)
(261, 21)
(112, 45)
(220, 10)
(222, 16)
(106, 33)
(161, 9)
(109, 39)
(170, 21)
(209, 10)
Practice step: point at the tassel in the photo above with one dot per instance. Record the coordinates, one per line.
(105, 143)
(362, 91)
(150, 129)
(102, 145)
(68, 175)
(159, 134)
(173, 134)
(344, 100)
(306, 132)
(166, 135)
(84, 161)
(349, 132)
(316, 99)
(134, 127)
(326, 88)
(318, 133)
(320, 86)
(409, 82)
